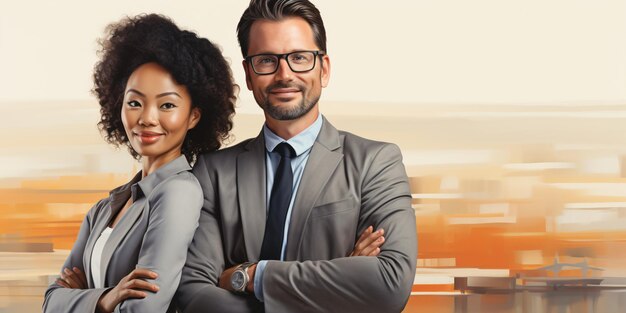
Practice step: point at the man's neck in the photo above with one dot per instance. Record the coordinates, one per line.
(290, 128)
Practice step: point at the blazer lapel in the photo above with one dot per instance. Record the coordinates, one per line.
(251, 195)
(322, 162)
(119, 232)
(100, 223)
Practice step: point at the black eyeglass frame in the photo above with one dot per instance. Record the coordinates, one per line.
(285, 56)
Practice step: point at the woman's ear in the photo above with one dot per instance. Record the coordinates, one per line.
(195, 118)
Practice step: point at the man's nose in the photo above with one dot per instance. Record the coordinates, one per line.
(283, 72)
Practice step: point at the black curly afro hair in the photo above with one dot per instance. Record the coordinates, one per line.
(192, 61)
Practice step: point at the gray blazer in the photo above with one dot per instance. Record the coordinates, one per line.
(348, 184)
(154, 233)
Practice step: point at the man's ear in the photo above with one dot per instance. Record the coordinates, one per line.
(246, 69)
(325, 74)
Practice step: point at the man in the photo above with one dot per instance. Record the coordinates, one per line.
(283, 211)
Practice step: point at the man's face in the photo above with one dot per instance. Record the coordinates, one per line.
(286, 95)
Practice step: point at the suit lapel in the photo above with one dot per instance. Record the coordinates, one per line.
(117, 199)
(119, 232)
(100, 223)
(321, 164)
(251, 195)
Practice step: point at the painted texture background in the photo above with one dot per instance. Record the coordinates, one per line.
(511, 116)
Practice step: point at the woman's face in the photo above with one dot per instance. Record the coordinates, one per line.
(157, 113)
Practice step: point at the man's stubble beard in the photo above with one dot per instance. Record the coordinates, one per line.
(291, 113)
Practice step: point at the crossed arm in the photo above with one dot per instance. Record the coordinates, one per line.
(357, 284)
(174, 213)
(380, 283)
(60, 299)
(368, 244)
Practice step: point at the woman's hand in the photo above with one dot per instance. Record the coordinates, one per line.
(74, 278)
(132, 285)
(369, 242)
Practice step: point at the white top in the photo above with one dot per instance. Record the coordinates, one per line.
(96, 257)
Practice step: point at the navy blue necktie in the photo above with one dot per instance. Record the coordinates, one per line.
(279, 204)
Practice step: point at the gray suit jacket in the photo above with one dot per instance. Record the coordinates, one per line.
(154, 233)
(348, 184)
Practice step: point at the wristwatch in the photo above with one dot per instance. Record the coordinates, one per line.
(240, 278)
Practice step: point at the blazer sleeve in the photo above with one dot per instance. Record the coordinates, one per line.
(357, 284)
(198, 290)
(65, 300)
(174, 211)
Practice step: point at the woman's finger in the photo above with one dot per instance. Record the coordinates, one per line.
(62, 283)
(142, 273)
(131, 293)
(142, 285)
(81, 276)
(70, 278)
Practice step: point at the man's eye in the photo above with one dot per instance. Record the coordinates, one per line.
(300, 58)
(266, 60)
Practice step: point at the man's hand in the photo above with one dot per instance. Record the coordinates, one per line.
(368, 245)
(224, 281)
(130, 286)
(369, 242)
(74, 278)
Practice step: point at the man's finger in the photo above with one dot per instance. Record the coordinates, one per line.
(366, 233)
(361, 243)
(373, 246)
(368, 243)
(375, 252)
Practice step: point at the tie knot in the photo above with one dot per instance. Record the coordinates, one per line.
(285, 150)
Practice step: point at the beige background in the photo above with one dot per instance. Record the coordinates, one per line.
(478, 51)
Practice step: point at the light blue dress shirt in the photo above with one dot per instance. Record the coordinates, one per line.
(302, 144)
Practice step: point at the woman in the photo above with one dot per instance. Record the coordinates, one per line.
(167, 95)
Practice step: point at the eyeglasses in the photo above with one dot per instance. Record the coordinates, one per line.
(298, 61)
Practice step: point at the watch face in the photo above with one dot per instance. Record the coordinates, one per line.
(237, 280)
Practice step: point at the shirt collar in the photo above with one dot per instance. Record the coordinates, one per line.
(300, 142)
(138, 186)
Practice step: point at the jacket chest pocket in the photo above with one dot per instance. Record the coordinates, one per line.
(334, 207)
(330, 230)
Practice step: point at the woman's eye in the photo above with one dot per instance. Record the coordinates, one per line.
(167, 106)
(133, 104)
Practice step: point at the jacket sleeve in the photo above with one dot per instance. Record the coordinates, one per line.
(357, 284)
(66, 300)
(174, 211)
(198, 290)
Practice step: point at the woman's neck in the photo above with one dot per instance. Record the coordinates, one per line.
(153, 163)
